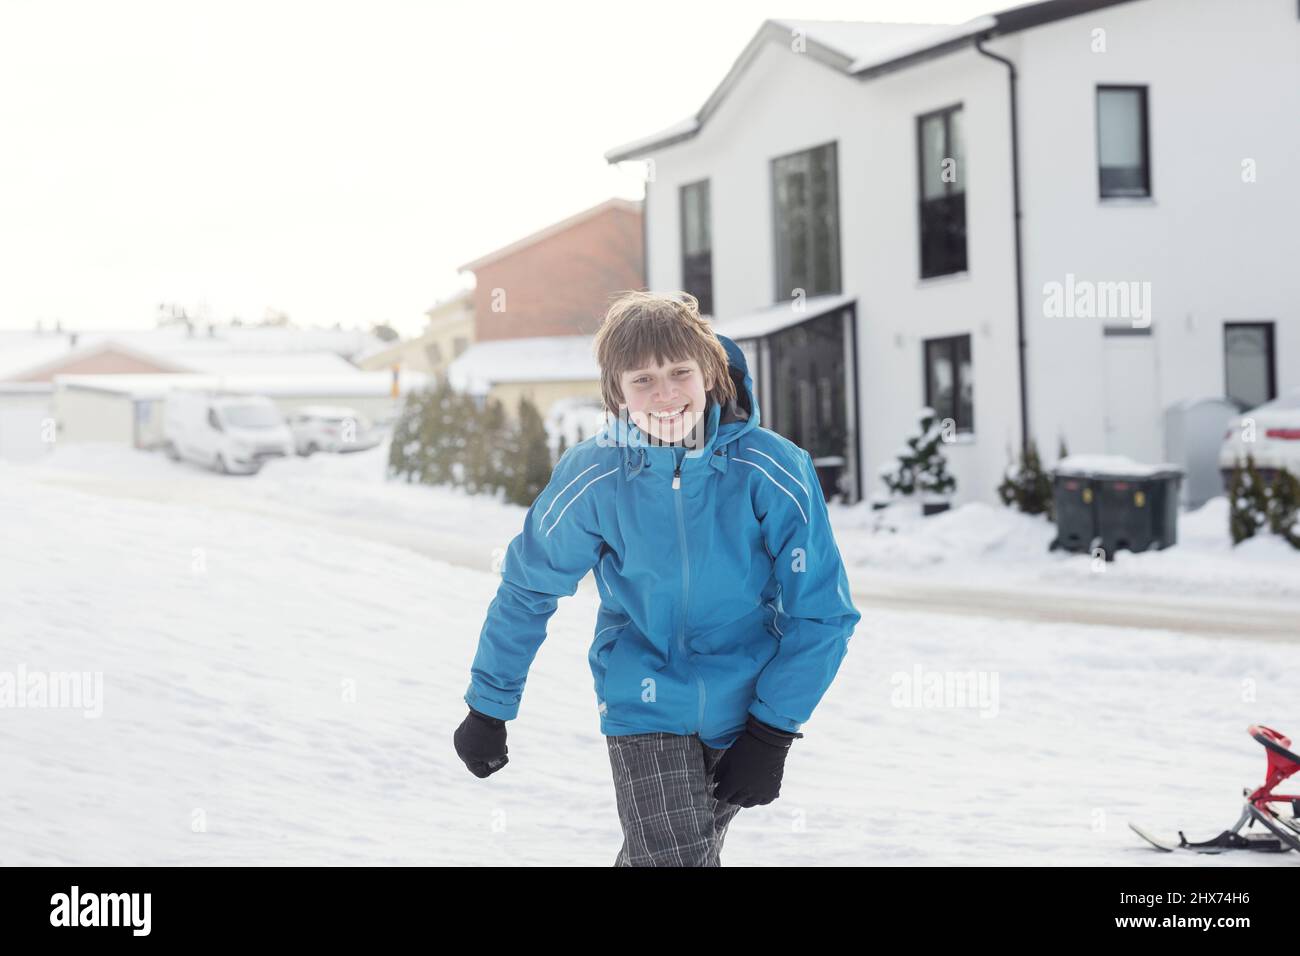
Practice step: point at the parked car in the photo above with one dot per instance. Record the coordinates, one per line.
(332, 428)
(228, 432)
(1275, 427)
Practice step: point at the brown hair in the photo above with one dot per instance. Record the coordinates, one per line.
(639, 325)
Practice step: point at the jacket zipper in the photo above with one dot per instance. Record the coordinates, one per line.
(686, 590)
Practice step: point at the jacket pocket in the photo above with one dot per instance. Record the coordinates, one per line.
(602, 648)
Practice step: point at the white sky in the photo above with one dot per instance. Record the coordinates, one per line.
(336, 161)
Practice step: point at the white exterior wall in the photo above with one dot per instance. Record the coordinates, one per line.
(1224, 85)
(1223, 81)
(22, 424)
(87, 415)
(897, 310)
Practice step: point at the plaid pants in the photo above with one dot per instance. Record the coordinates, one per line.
(663, 784)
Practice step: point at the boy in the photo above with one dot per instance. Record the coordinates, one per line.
(724, 604)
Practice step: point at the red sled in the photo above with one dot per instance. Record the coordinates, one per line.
(1280, 833)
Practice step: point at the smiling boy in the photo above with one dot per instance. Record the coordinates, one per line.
(724, 605)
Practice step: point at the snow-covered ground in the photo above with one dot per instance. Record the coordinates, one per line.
(283, 658)
(985, 545)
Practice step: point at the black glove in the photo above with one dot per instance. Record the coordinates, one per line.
(749, 773)
(481, 743)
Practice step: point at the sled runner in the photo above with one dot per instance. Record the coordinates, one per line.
(1281, 833)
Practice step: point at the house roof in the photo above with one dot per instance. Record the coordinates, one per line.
(351, 385)
(782, 315)
(862, 50)
(626, 205)
(171, 348)
(49, 354)
(555, 358)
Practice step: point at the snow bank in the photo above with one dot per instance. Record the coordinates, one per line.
(995, 547)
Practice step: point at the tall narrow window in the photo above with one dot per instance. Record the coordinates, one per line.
(1249, 367)
(697, 245)
(806, 220)
(949, 380)
(943, 192)
(1123, 153)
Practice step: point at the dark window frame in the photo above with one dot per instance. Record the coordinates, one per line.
(697, 277)
(835, 285)
(1145, 136)
(928, 346)
(1270, 329)
(954, 198)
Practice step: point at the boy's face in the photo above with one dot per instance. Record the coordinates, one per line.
(666, 401)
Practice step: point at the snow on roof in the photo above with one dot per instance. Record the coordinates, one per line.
(682, 129)
(782, 315)
(862, 50)
(352, 385)
(901, 45)
(247, 338)
(21, 352)
(556, 358)
(842, 45)
(860, 41)
(273, 363)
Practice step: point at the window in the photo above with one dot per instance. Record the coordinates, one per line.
(805, 203)
(1249, 363)
(697, 245)
(1123, 154)
(949, 382)
(942, 178)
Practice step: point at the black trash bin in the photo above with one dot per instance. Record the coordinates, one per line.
(1114, 503)
(1075, 502)
(1138, 510)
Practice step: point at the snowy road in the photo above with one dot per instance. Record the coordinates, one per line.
(461, 543)
(283, 662)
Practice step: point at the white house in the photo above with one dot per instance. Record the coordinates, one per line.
(1055, 221)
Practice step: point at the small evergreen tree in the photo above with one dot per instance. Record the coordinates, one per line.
(1247, 501)
(1026, 486)
(1284, 507)
(529, 453)
(921, 467)
(485, 448)
(404, 449)
(443, 437)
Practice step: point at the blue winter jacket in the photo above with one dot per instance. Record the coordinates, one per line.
(722, 592)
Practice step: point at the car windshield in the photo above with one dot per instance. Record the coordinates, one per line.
(251, 416)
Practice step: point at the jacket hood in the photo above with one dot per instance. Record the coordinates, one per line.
(723, 426)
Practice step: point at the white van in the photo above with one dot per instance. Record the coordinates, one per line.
(226, 431)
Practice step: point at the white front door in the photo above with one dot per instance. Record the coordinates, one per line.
(1133, 414)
